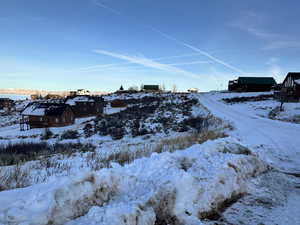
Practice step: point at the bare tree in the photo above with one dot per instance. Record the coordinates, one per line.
(174, 89)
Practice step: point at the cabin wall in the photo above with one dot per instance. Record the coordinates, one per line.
(66, 119)
(86, 109)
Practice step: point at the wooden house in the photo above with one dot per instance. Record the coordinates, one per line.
(252, 84)
(193, 90)
(290, 88)
(118, 103)
(43, 115)
(85, 105)
(53, 96)
(150, 88)
(6, 104)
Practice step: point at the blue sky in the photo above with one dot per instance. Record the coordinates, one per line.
(101, 44)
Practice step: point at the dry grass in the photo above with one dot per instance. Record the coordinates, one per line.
(18, 176)
(126, 156)
(14, 177)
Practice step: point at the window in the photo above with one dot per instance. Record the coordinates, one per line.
(56, 120)
(41, 118)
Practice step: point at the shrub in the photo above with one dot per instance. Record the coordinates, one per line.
(70, 134)
(88, 130)
(21, 152)
(47, 134)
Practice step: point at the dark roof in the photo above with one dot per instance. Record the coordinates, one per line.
(257, 80)
(45, 109)
(151, 87)
(56, 109)
(294, 75)
(5, 100)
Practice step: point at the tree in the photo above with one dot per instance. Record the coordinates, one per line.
(174, 89)
(121, 88)
(133, 88)
(163, 87)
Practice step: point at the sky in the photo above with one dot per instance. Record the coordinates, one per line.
(102, 44)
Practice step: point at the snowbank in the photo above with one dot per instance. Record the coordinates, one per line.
(169, 187)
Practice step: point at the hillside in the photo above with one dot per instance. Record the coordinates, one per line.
(210, 158)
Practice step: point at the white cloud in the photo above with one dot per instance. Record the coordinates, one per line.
(254, 23)
(148, 63)
(282, 44)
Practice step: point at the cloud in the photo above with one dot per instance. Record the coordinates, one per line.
(282, 44)
(104, 6)
(148, 63)
(199, 51)
(253, 24)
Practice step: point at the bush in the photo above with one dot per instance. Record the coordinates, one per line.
(70, 134)
(21, 152)
(47, 134)
(88, 130)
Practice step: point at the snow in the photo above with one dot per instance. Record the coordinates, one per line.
(182, 184)
(34, 110)
(275, 141)
(297, 81)
(72, 101)
(194, 180)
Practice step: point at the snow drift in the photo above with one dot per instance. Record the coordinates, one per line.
(178, 188)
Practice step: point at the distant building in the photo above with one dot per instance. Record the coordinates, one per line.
(35, 97)
(290, 88)
(150, 88)
(79, 92)
(252, 84)
(118, 103)
(43, 115)
(193, 90)
(85, 106)
(53, 96)
(6, 104)
(83, 92)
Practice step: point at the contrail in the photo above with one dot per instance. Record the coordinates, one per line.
(138, 67)
(148, 63)
(100, 4)
(198, 50)
(128, 63)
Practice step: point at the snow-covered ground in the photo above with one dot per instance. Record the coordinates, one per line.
(250, 177)
(275, 142)
(180, 186)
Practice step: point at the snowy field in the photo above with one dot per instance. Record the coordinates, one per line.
(15, 97)
(243, 168)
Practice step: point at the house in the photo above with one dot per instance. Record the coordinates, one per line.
(290, 88)
(79, 92)
(35, 97)
(150, 88)
(118, 103)
(252, 84)
(85, 105)
(45, 114)
(83, 92)
(6, 104)
(193, 90)
(53, 96)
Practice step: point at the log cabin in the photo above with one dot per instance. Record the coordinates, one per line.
(43, 115)
(252, 84)
(85, 105)
(290, 89)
